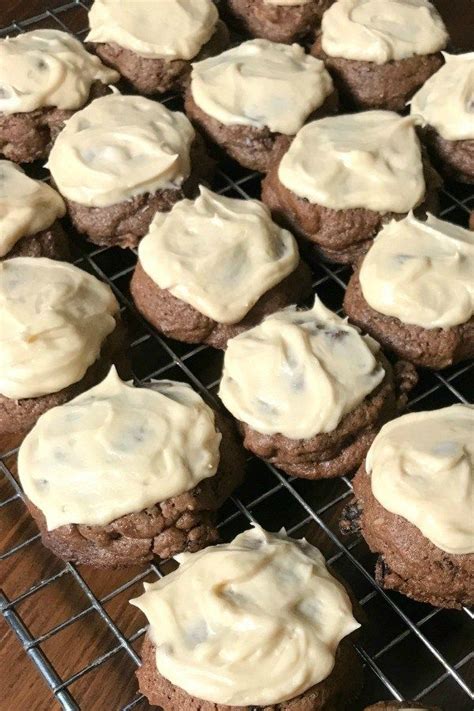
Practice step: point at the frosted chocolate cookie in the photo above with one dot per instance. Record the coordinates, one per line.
(152, 44)
(400, 706)
(60, 331)
(256, 623)
(276, 20)
(343, 177)
(214, 267)
(414, 291)
(425, 551)
(445, 104)
(121, 473)
(29, 212)
(45, 76)
(121, 160)
(380, 52)
(310, 393)
(248, 96)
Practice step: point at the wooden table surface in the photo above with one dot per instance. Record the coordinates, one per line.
(21, 688)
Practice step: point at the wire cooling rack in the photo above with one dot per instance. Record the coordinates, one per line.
(76, 625)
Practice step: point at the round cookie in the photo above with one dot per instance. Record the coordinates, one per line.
(248, 96)
(449, 122)
(120, 474)
(60, 330)
(402, 705)
(121, 160)
(153, 44)
(45, 75)
(214, 267)
(425, 552)
(414, 292)
(285, 660)
(311, 362)
(29, 212)
(380, 52)
(343, 177)
(284, 21)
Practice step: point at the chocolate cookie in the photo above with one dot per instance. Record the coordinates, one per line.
(454, 159)
(156, 76)
(367, 85)
(337, 691)
(396, 705)
(51, 243)
(186, 522)
(178, 320)
(430, 348)
(408, 562)
(341, 236)
(340, 452)
(278, 23)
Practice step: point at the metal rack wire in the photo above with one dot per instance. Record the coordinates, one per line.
(409, 650)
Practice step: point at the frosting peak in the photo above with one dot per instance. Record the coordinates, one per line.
(47, 68)
(218, 254)
(119, 147)
(253, 622)
(167, 29)
(27, 206)
(118, 449)
(298, 373)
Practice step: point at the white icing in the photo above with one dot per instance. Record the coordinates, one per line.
(163, 29)
(117, 449)
(421, 272)
(47, 68)
(54, 318)
(298, 373)
(253, 622)
(119, 147)
(422, 468)
(27, 206)
(382, 30)
(218, 254)
(370, 160)
(446, 100)
(261, 84)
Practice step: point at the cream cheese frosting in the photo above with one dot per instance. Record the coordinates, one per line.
(218, 254)
(119, 147)
(422, 468)
(167, 29)
(47, 68)
(253, 622)
(369, 160)
(27, 206)
(118, 449)
(54, 318)
(382, 30)
(421, 272)
(299, 372)
(261, 84)
(446, 100)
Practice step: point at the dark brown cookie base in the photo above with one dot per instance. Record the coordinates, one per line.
(338, 235)
(51, 243)
(435, 348)
(367, 85)
(335, 693)
(25, 137)
(408, 562)
(19, 416)
(455, 159)
(276, 23)
(254, 148)
(181, 321)
(340, 452)
(181, 523)
(157, 76)
(125, 223)
(399, 705)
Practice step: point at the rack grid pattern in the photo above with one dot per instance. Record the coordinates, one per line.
(409, 650)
